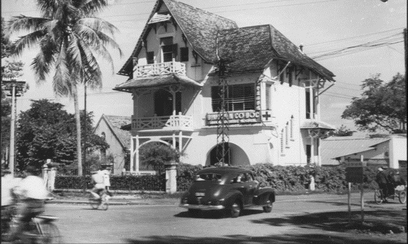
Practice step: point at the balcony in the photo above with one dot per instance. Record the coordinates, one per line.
(166, 123)
(158, 69)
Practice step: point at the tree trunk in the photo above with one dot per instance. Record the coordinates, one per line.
(78, 127)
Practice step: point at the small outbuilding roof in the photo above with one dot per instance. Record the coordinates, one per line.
(115, 123)
(335, 147)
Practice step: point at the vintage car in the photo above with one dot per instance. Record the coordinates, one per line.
(226, 188)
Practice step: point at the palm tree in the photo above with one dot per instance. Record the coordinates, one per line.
(70, 37)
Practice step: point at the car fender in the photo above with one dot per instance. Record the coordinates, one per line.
(231, 197)
(263, 195)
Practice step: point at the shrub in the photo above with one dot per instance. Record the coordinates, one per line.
(129, 182)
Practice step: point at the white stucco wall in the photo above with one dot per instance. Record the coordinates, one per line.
(260, 143)
(398, 150)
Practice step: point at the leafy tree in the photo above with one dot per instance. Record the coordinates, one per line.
(156, 154)
(381, 105)
(69, 36)
(46, 131)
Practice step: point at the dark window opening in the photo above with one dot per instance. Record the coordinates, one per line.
(163, 103)
(184, 54)
(237, 97)
(308, 108)
(150, 57)
(308, 153)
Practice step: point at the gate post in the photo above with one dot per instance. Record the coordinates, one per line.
(171, 177)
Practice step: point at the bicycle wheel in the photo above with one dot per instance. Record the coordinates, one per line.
(105, 202)
(50, 234)
(94, 203)
(378, 196)
(402, 196)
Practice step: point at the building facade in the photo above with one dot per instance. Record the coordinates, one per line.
(110, 128)
(202, 85)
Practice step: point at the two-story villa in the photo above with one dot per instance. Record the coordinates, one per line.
(271, 90)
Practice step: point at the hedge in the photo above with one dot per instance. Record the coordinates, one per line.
(281, 178)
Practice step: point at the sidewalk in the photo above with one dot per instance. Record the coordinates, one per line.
(118, 200)
(137, 199)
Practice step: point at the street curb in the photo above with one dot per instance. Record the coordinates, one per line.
(140, 202)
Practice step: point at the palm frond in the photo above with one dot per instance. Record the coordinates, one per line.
(27, 41)
(90, 7)
(25, 23)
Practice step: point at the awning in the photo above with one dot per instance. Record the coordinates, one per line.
(316, 124)
(155, 81)
(316, 128)
(157, 18)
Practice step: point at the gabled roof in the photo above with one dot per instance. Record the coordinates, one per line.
(115, 123)
(335, 147)
(253, 47)
(199, 27)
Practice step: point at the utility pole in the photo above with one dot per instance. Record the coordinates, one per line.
(16, 88)
(222, 149)
(405, 50)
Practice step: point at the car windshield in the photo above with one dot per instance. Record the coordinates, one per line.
(208, 177)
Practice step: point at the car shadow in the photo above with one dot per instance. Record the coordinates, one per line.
(375, 221)
(215, 214)
(297, 238)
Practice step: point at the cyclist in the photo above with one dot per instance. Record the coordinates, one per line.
(99, 186)
(32, 193)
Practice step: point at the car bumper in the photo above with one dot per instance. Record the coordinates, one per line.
(201, 207)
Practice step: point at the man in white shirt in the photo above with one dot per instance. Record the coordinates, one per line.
(99, 185)
(32, 193)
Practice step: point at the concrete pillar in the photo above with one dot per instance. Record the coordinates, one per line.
(44, 173)
(52, 173)
(171, 177)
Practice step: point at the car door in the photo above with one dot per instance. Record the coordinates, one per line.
(250, 185)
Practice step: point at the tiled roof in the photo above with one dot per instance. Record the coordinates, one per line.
(246, 49)
(334, 147)
(156, 81)
(199, 26)
(115, 123)
(253, 47)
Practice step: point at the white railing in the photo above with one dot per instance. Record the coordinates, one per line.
(157, 69)
(173, 122)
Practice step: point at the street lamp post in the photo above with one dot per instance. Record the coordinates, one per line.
(16, 88)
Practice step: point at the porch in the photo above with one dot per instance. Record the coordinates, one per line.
(175, 122)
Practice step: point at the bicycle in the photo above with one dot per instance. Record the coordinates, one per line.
(399, 192)
(40, 229)
(102, 202)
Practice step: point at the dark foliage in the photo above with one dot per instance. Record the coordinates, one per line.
(46, 131)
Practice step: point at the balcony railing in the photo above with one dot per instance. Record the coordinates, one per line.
(157, 69)
(173, 122)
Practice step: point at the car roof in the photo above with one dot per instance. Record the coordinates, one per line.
(223, 170)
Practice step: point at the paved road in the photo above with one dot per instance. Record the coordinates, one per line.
(170, 224)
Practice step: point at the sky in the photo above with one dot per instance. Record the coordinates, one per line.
(355, 39)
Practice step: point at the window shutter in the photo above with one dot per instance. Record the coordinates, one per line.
(175, 50)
